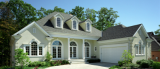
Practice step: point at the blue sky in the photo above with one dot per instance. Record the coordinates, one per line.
(131, 12)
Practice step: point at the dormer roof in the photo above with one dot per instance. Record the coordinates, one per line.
(46, 24)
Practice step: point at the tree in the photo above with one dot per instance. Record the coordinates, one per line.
(157, 31)
(7, 28)
(24, 13)
(21, 58)
(58, 9)
(117, 24)
(106, 18)
(78, 12)
(127, 57)
(91, 14)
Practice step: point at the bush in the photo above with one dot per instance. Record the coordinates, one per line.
(35, 63)
(150, 62)
(144, 64)
(114, 66)
(43, 63)
(156, 65)
(65, 62)
(93, 60)
(48, 57)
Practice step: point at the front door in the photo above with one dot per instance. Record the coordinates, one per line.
(72, 52)
(87, 50)
(56, 52)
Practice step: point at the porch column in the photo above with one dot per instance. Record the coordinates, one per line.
(68, 48)
(83, 53)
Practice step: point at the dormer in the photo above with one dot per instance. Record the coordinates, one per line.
(57, 20)
(73, 23)
(86, 25)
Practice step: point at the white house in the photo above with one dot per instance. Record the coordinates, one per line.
(66, 37)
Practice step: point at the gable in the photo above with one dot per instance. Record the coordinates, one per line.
(30, 25)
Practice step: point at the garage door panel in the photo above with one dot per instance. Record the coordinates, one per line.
(112, 54)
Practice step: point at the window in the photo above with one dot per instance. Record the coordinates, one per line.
(56, 49)
(58, 22)
(88, 26)
(95, 49)
(27, 49)
(34, 48)
(74, 24)
(73, 44)
(40, 50)
(34, 30)
(140, 49)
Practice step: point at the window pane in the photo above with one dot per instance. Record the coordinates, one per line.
(88, 26)
(40, 50)
(58, 22)
(27, 49)
(136, 49)
(74, 24)
(140, 49)
(54, 52)
(95, 48)
(34, 48)
(73, 44)
(59, 52)
(86, 44)
(57, 43)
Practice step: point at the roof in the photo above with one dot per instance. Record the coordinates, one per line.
(155, 45)
(46, 24)
(119, 31)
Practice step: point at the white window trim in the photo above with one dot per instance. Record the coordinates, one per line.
(40, 45)
(141, 49)
(60, 22)
(76, 25)
(89, 27)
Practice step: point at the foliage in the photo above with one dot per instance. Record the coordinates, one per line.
(157, 31)
(106, 18)
(24, 13)
(65, 62)
(91, 14)
(156, 65)
(114, 66)
(56, 63)
(48, 57)
(7, 28)
(21, 57)
(127, 57)
(78, 12)
(93, 60)
(144, 64)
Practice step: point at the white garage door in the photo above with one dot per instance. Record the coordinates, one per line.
(112, 54)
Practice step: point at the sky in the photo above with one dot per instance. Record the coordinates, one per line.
(131, 12)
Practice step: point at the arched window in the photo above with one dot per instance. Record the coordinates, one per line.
(56, 49)
(34, 48)
(74, 25)
(73, 44)
(86, 44)
(58, 22)
(88, 26)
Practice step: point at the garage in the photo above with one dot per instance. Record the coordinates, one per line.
(112, 53)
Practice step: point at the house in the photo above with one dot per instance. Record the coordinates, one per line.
(155, 46)
(64, 36)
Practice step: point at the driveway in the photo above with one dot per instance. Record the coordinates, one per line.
(84, 66)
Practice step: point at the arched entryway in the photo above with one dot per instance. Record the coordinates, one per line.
(87, 50)
(56, 50)
(73, 50)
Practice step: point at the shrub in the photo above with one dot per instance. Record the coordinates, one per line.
(35, 63)
(114, 66)
(43, 63)
(144, 64)
(48, 57)
(65, 62)
(150, 62)
(48, 64)
(93, 60)
(156, 65)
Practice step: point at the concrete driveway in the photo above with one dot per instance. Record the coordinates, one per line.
(84, 66)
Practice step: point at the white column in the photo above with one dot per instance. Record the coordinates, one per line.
(49, 47)
(83, 53)
(68, 48)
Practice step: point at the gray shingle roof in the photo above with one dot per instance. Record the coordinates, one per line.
(154, 45)
(119, 31)
(46, 24)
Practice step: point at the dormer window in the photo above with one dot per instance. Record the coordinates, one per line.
(58, 22)
(74, 24)
(88, 27)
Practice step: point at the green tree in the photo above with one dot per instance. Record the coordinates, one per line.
(7, 28)
(24, 13)
(21, 58)
(157, 31)
(117, 24)
(91, 14)
(127, 57)
(78, 12)
(58, 9)
(106, 18)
